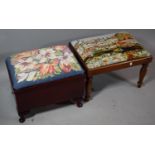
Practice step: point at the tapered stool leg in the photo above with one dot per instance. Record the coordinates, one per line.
(142, 74)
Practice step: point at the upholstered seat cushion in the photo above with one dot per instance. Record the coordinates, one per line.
(42, 65)
(109, 49)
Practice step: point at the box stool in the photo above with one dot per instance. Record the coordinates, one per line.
(41, 77)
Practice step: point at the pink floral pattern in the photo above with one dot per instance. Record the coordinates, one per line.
(43, 63)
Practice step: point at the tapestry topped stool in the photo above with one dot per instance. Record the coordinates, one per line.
(45, 76)
(108, 53)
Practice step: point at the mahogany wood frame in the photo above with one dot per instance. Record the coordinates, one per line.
(67, 89)
(92, 72)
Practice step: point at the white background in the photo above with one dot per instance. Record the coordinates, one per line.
(77, 140)
(72, 14)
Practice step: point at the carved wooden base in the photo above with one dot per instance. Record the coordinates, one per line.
(142, 74)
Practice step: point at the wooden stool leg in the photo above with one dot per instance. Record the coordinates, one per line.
(79, 103)
(88, 88)
(143, 72)
(22, 116)
(22, 119)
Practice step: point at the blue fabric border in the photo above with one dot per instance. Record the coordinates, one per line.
(25, 84)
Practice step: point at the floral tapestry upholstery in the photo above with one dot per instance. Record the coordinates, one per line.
(42, 65)
(109, 49)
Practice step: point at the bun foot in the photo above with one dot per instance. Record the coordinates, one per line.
(22, 115)
(80, 104)
(21, 119)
